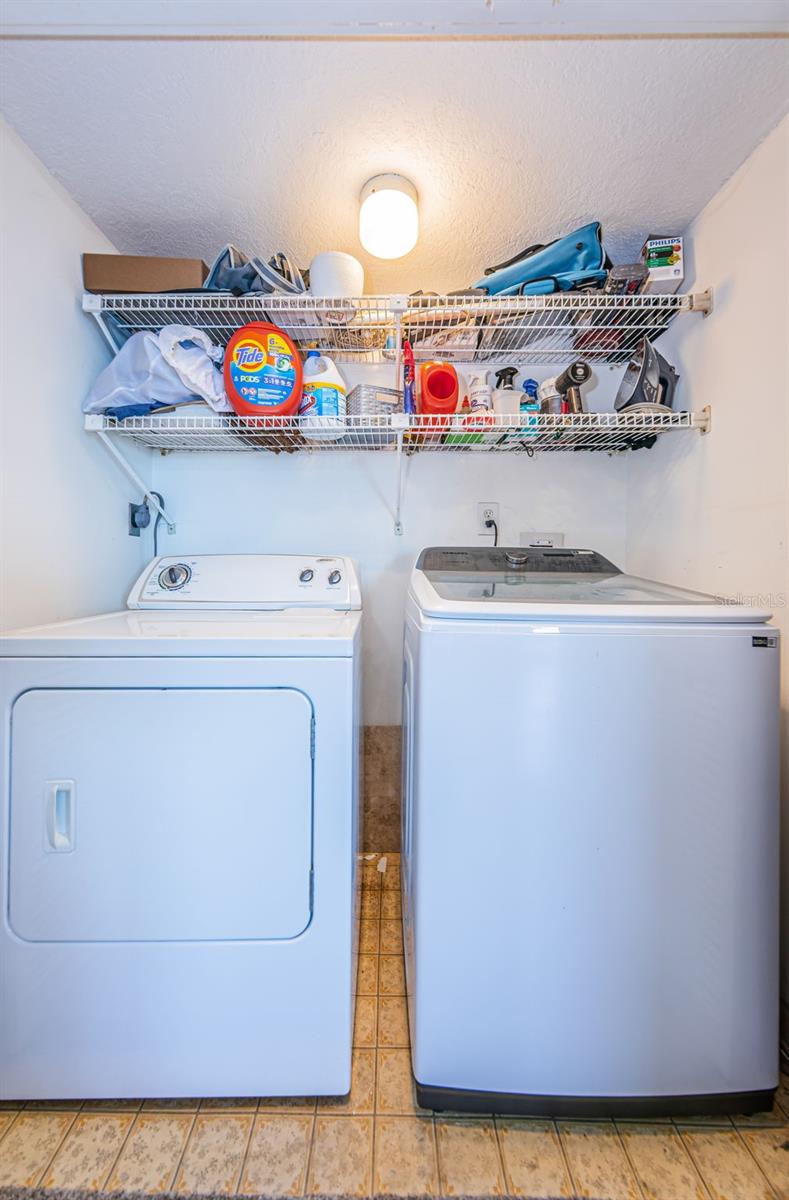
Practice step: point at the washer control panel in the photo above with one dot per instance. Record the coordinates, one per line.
(541, 560)
(247, 581)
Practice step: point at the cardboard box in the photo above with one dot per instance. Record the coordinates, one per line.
(664, 259)
(137, 273)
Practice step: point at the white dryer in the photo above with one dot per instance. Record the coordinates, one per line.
(590, 839)
(179, 826)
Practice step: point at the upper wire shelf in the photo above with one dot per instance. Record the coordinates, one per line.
(594, 326)
(610, 432)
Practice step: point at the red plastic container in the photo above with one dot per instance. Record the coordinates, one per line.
(438, 389)
(262, 371)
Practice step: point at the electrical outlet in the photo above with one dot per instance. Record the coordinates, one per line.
(541, 539)
(139, 518)
(487, 510)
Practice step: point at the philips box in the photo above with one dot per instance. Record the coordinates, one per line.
(665, 263)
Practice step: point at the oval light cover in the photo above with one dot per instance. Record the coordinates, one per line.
(388, 216)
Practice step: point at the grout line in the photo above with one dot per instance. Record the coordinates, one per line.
(565, 1155)
(375, 1112)
(439, 1167)
(692, 1157)
(432, 1119)
(17, 1114)
(310, 1146)
(182, 1155)
(629, 1161)
(122, 1147)
(245, 1155)
(754, 1159)
(502, 1164)
(58, 1148)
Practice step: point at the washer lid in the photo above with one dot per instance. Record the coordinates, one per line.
(525, 584)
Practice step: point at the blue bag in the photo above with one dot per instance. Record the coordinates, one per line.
(571, 263)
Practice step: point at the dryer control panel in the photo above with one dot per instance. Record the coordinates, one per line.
(247, 581)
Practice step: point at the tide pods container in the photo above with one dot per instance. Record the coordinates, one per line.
(262, 371)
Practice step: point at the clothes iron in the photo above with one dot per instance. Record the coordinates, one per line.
(649, 379)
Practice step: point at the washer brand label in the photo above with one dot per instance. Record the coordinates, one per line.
(764, 640)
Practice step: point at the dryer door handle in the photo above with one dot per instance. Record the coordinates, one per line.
(59, 815)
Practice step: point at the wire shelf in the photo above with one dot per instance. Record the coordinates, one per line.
(610, 432)
(594, 326)
(350, 329)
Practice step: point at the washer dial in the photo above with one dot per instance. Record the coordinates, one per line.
(175, 576)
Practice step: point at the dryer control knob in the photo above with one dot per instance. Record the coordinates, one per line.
(174, 577)
(334, 577)
(516, 558)
(306, 575)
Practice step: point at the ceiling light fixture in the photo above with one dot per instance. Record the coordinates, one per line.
(388, 216)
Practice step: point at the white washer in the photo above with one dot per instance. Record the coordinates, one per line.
(590, 839)
(181, 797)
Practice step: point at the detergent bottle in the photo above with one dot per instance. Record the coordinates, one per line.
(481, 401)
(530, 408)
(323, 399)
(262, 371)
(438, 389)
(437, 398)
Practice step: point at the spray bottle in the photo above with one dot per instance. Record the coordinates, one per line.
(505, 398)
(479, 395)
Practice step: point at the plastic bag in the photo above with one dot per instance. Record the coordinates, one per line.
(176, 366)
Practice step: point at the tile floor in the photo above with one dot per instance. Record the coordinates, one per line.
(376, 1140)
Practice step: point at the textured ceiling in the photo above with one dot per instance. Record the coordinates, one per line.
(177, 148)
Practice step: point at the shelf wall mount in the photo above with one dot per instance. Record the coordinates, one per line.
(95, 425)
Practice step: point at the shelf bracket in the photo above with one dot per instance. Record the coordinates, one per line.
(132, 475)
(400, 423)
(702, 302)
(399, 306)
(93, 304)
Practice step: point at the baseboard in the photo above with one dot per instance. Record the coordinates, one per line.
(515, 1104)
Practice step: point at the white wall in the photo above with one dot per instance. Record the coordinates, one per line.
(713, 512)
(64, 547)
(343, 503)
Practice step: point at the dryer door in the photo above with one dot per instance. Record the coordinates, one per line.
(160, 814)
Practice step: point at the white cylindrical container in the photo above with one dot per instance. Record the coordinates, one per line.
(335, 273)
(506, 402)
(323, 400)
(550, 399)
